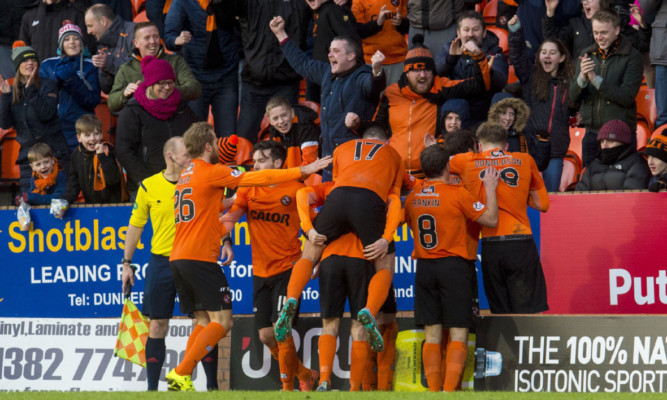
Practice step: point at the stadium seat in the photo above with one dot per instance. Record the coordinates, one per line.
(662, 130)
(9, 152)
(490, 12)
(313, 106)
(571, 170)
(576, 136)
(138, 6)
(511, 75)
(646, 108)
(479, 7)
(108, 120)
(502, 37)
(643, 134)
(244, 152)
(141, 17)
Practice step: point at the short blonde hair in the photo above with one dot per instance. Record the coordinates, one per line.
(87, 123)
(39, 151)
(196, 137)
(277, 101)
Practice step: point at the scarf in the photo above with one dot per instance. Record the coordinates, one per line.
(612, 49)
(162, 109)
(610, 156)
(99, 182)
(42, 185)
(214, 57)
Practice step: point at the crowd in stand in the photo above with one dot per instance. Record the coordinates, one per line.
(222, 56)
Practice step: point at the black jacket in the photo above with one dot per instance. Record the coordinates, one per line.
(41, 23)
(629, 172)
(82, 177)
(140, 138)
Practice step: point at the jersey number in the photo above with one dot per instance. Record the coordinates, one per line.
(428, 238)
(183, 206)
(358, 150)
(509, 175)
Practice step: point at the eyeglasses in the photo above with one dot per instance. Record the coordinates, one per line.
(164, 84)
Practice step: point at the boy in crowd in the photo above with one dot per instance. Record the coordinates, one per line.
(295, 128)
(656, 155)
(48, 178)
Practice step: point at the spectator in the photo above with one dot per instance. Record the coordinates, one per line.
(147, 43)
(435, 20)
(122, 8)
(48, 178)
(382, 26)
(347, 83)
(77, 79)
(41, 23)
(546, 84)
(619, 166)
(156, 11)
(94, 170)
(410, 108)
(656, 11)
(10, 23)
(156, 113)
(656, 154)
(577, 35)
(452, 117)
(295, 127)
(453, 64)
(329, 21)
(30, 105)
(212, 52)
(266, 72)
(608, 79)
(114, 42)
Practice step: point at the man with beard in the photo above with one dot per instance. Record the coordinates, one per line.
(410, 108)
(454, 62)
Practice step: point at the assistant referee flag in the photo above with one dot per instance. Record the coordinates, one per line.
(132, 335)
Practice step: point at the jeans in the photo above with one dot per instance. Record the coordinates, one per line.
(154, 13)
(223, 98)
(552, 174)
(661, 94)
(253, 104)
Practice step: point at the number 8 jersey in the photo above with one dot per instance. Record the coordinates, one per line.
(197, 204)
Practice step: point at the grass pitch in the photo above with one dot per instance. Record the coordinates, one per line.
(246, 395)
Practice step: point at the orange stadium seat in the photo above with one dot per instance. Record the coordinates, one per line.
(490, 12)
(502, 37)
(243, 152)
(138, 6)
(646, 108)
(9, 148)
(662, 130)
(108, 121)
(571, 170)
(576, 136)
(643, 134)
(141, 17)
(479, 7)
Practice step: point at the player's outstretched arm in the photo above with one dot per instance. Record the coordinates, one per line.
(315, 166)
(490, 216)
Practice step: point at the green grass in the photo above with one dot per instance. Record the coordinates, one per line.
(323, 396)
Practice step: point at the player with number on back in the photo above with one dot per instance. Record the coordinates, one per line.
(201, 285)
(365, 172)
(513, 277)
(438, 213)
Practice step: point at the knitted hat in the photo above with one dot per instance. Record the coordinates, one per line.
(156, 70)
(22, 52)
(419, 57)
(227, 149)
(657, 148)
(616, 130)
(68, 28)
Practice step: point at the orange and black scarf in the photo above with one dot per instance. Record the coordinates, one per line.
(214, 57)
(42, 185)
(99, 182)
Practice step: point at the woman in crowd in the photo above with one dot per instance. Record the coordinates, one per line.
(155, 113)
(30, 105)
(77, 80)
(545, 86)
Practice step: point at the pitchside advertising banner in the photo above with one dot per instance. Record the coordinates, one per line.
(571, 354)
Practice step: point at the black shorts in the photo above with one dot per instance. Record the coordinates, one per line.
(344, 278)
(159, 289)
(352, 209)
(513, 277)
(389, 305)
(201, 286)
(443, 292)
(268, 297)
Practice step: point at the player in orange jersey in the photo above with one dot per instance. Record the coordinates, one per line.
(513, 277)
(365, 172)
(273, 222)
(201, 285)
(438, 213)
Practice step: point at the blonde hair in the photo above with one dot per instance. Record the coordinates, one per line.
(39, 151)
(277, 101)
(196, 137)
(87, 123)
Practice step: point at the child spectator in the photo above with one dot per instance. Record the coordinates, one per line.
(48, 178)
(93, 166)
(656, 154)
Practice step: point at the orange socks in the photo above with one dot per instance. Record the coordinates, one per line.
(327, 349)
(301, 273)
(358, 355)
(443, 347)
(287, 360)
(385, 359)
(274, 352)
(191, 339)
(378, 290)
(202, 344)
(370, 379)
(456, 362)
(431, 360)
